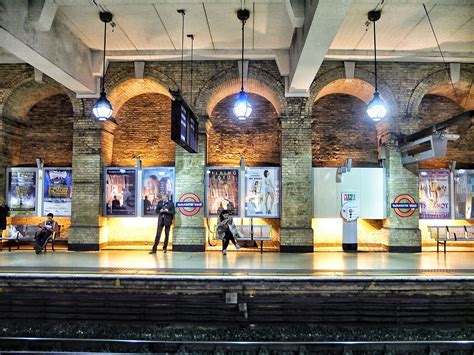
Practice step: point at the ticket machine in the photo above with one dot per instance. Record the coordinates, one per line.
(350, 213)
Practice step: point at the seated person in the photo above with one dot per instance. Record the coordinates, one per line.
(47, 228)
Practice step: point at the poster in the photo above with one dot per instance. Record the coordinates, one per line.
(22, 191)
(434, 194)
(464, 194)
(57, 190)
(120, 192)
(155, 183)
(222, 191)
(262, 192)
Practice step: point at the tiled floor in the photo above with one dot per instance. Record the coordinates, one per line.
(238, 263)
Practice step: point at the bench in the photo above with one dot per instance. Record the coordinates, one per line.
(253, 232)
(26, 234)
(443, 234)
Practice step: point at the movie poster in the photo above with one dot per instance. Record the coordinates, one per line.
(262, 192)
(22, 191)
(120, 192)
(464, 194)
(155, 183)
(434, 194)
(222, 191)
(57, 191)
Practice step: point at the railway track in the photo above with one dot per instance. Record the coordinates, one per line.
(229, 347)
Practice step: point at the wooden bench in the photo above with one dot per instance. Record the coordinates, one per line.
(253, 232)
(26, 234)
(444, 234)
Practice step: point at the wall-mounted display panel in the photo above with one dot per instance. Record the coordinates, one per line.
(368, 183)
(21, 191)
(434, 194)
(222, 191)
(57, 191)
(156, 182)
(262, 192)
(120, 192)
(464, 194)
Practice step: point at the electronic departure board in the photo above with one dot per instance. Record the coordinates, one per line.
(184, 123)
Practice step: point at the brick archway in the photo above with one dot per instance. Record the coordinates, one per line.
(227, 82)
(121, 84)
(327, 83)
(426, 85)
(26, 92)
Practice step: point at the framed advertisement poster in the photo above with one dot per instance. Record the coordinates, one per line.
(222, 191)
(120, 192)
(57, 188)
(262, 192)
(21, 191)
(434, 194)
(464, 194)
(156, 182)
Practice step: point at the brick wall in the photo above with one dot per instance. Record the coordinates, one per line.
(144, 128)
(257, 138)
(49, 133)
(341, 130)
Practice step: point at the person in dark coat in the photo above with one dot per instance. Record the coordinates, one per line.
(4, 210)
(165, 211)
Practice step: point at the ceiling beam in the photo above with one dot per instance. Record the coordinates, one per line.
(42, 13)
(57, 53)
(311, 42)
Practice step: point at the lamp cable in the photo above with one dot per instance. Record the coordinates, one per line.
(103, 62)
(182, 12)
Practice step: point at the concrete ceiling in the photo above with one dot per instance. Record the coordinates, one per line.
(297, 34)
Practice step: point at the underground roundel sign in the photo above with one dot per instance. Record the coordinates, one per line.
(189, 204)
(404, 205)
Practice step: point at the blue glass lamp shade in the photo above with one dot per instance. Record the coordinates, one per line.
(376, 108)
(102, 109)
(242, 107)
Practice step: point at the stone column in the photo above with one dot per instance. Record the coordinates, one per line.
(87, 183)
(401, 234)
(296, 211)
(189, 233)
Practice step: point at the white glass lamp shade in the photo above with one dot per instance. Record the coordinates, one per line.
(376, 108)
(102, 109)
(242, 107)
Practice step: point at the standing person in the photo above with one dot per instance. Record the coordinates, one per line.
(48, 227)
(165, 211)
(4, 210)
(226, 228)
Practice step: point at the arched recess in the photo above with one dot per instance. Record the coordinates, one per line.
(438, 83)
(225, 82)
(25, 92)
(327, 78)
(123, 88)
(258, 138)
(342, 130)
(37, 122)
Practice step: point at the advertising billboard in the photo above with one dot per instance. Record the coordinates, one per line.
(262, 192)
(120, 192)
(156, 182)
(434, 194)
(57, 191)
(222, 191)
(21, 191)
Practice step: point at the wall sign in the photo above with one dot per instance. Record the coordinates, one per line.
(404, 205)
(21, 191)
(189, 204)
(434, 194)
(262, 192)
(222, 191)
(57, 191)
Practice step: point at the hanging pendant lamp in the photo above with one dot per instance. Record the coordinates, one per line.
(102, 109)
(376, 108)
(242, 108)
